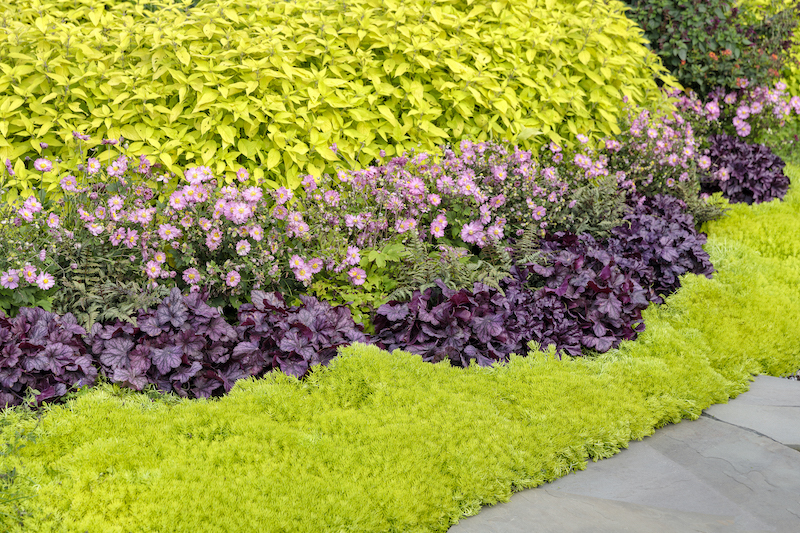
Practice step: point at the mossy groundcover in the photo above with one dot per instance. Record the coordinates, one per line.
(385, 442)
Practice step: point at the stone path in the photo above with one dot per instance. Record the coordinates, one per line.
(735, 469)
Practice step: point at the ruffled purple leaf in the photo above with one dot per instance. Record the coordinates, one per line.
(128, 377)
(184, 373)
(204, 387)
(115, 352)
(172, 310)
(166, 358)
(487, 327)
(293, 365)
(149, 324)
(394, 312)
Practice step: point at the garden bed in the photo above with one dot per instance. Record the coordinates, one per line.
(335, 328)
(385, 442)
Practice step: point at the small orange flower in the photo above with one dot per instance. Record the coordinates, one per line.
(713, 56)
(683, 61)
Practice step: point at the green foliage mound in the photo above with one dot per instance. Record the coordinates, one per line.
(272, 85)
(385, 442)
(711, 43)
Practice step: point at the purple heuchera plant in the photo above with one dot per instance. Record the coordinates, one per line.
(590, 296)
(588, 299)
(42, 351)
(749, 173)
(292, 338)
(658, 244)
(183, 346)
(481, 325)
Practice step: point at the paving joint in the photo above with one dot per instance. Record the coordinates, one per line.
(795, 447)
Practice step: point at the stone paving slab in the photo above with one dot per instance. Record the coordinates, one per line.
(779, 423)
(768, 390)
(771, 407)
(552, 511)
(698, 475)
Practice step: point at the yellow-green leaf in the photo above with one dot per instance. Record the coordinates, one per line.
(387, 113)
(273, 158)
(206, 97)
(183, 56)
(166, 159)
(228, 133)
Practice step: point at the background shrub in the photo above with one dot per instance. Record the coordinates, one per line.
(711, 43)
(273, 85)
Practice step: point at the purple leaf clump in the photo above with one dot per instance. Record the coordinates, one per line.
(587, 299)
(658, 243)
(42, 351)
(274, 335)
(744, 172)
(183, 346)
(483, 325)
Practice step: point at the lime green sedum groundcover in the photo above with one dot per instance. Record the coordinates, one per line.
(385, 442)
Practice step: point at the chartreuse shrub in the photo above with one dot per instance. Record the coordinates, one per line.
(385, 442)
(289, 88)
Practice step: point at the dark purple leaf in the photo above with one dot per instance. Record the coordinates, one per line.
(487, 327)
(394, 312)
(130, 378)
(150, 325)
(172, 310)
(244, 349)
(293, 366)
(115, 352)
(184, 373)
(166, 358)
(204, 387)
(9, 376)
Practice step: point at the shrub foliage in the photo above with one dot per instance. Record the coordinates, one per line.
(273, 85)
(711, 43)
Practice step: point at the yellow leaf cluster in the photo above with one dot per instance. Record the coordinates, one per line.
(270, 84)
